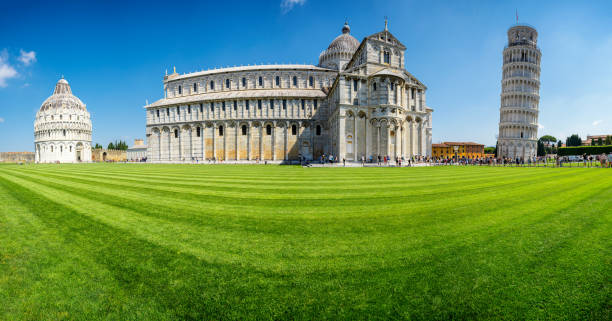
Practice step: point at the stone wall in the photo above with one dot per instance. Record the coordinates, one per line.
(16, 157)
(108, 155)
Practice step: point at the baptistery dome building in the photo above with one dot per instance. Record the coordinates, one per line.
(358, 103)
(62, 129)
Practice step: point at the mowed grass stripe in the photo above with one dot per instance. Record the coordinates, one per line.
(373, 229)
(265, 190)
(156, 283)
(191, 210)
(293, 175)
(484, 249)
(417, 193)
(174, 230)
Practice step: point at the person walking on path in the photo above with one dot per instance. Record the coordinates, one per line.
(343, 162)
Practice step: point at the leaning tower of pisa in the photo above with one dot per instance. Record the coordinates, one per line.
(520, 96)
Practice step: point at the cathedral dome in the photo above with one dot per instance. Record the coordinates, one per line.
(62, 98)
(340, 50)
(344, 42)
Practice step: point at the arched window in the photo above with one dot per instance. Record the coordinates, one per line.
(284, 104)
(303, 103)
(271, 103)
(277, 81)
(180, 90)
(176, 133)
(227, 83)
(167, 111)
(178, 110)
(318, 130)
(198, 131)
(392, 86)
(235, 105)
(259, 104)
(223, 106)
(311, 81)
(64, 132)
(355, 84)
(189, 109)
(212, 85)
(220, 130)
(374, 86)
(52, 148)
(71, 148)
(521, 134)
(212, 107)
(268, 130)
(61, 149)
(293, 130)
(294, 81)
(195, 87)
(243, 82)
(387, 56)
(157, 113)
(247, 105)
(260, 81)
(244, 130)
(315, 104)
(201, 108)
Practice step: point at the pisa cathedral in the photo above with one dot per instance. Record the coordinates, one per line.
(358, 102)
(520, 96)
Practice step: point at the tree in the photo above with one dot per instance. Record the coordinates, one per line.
(110, 146)
(573, 140)
(547, 139)
(489, 150)
(608, 140)
(121, 145)
(559, 144)
(98, 146)
(541, 149)
(600, 141)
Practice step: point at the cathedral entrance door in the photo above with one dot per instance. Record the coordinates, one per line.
(305, 151)
(79, 149)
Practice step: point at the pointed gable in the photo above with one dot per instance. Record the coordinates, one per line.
(386, 37)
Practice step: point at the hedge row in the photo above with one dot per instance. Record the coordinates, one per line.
(581, 150)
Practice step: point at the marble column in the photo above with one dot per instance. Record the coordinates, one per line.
(368, 133)
(249, 141)
(398, 143)
(355, 139)
(378, 138)
(286, 142)
(342, 138)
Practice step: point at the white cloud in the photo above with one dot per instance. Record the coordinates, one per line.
(597, 122)
(27, 57)
(287, 5)
(6, 70)
(540, 126)
(1, 120)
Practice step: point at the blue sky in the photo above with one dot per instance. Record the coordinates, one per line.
(115, 55)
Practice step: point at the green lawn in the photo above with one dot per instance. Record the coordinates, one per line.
(165, 242)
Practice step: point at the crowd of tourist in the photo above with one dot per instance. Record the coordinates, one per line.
(602, 160)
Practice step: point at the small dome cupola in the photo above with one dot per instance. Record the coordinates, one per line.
(62, 87)
(346, 28)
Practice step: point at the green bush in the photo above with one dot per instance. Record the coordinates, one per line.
(581, 150)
